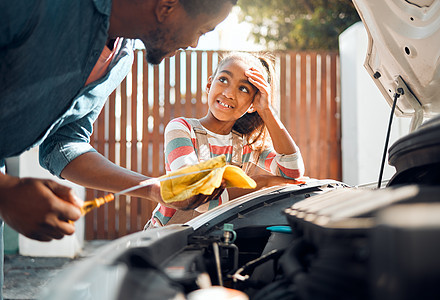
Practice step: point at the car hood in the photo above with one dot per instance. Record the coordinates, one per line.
(404, 51)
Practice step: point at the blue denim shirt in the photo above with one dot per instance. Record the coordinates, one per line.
(47, 51)
(69, 136)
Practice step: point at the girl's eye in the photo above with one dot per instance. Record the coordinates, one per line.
(244, 89)
(222, 80)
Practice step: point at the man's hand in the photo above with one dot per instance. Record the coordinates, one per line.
(38, 208)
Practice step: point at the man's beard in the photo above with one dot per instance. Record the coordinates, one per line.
(155, 54)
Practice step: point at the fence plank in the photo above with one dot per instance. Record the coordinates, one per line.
(178, 111)
(209, 72)
(122, 212)
(166, 92)
(313, 120)
(156, 124)
(90, 218)
(200, 109)
(293, 109)
(133, 145)
(323, 126)
(335, 146)
(303, 110)
(284, 113)
(146, 205)
(188, 93)
(100, 147)
(111, 208)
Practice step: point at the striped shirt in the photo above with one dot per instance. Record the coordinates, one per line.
(180, 151)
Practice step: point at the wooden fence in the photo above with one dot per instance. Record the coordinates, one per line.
(130, 128)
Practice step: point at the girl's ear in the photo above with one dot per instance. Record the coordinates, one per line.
(251, 109)
(208, 85)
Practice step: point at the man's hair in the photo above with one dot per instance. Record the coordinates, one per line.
(209, 7)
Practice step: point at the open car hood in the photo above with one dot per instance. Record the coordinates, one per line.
(404, 51)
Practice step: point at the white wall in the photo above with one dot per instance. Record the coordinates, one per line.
(364, 114)
(69, 246)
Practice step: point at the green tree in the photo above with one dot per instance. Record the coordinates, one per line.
(298, 24)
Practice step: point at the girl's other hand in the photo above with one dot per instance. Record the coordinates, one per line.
(264, 181)
(197, 200)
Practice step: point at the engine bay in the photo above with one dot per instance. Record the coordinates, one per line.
(346, 243)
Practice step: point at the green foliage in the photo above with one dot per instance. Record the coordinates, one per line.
(298, 24)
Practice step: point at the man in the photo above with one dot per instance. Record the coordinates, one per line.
(55, 78)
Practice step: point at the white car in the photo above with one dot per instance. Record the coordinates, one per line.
(319, 240)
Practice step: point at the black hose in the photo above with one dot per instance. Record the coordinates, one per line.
(396, 95)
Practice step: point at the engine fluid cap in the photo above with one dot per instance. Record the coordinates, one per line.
(280, 228)
(228, 233)
(228, 227)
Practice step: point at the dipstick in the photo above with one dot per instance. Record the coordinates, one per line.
(95, 203)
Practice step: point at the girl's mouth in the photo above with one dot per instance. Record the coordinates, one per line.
(224, 104)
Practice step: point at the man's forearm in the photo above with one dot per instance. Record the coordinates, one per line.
(92, 170)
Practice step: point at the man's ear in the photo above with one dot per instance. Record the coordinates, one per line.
(164, 8)
(208, 85)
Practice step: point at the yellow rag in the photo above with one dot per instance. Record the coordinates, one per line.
(183, 187)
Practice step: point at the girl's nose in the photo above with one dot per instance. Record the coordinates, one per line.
(228, 93)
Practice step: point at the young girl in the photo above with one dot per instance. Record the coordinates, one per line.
(241, 124)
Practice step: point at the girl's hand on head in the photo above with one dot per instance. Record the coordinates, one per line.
(262, 97)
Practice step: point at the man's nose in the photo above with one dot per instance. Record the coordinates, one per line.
(194, 43)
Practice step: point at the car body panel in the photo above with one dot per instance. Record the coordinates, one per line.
(402, 51)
